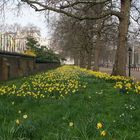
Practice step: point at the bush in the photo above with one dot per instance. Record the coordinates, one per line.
(42, 53)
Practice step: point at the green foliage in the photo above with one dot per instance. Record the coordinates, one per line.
(47, 55)
(32, 43)
(42, 53)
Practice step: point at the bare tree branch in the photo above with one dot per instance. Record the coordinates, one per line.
(38, 6)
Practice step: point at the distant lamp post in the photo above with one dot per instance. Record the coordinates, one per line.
(130, 52)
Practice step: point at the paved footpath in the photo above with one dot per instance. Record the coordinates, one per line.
(135, 74)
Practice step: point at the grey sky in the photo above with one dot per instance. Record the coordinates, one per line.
(27, 16)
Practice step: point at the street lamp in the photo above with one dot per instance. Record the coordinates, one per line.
(129, 51)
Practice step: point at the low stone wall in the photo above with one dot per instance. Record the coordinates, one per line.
(13, 65)
(44, 66)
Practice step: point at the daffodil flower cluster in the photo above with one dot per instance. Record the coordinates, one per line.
(56, 83)
(100, 127)
(124, 84)
(128, 86)
(105, 76)
(63, 81)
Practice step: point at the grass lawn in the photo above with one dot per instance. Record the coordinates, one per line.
(73, 116)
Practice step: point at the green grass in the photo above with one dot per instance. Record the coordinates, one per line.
(48, 119)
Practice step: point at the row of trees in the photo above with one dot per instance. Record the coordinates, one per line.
(97, 10)
(85, 41)
(89, 17)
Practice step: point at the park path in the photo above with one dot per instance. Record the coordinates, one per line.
(135, 74)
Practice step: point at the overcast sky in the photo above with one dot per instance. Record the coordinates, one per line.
(27, 16)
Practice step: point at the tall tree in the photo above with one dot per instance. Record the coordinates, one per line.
(121, 54)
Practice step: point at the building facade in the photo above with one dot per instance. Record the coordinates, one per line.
(16, 42)
(135, 61)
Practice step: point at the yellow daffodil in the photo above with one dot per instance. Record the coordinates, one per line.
(19, 111)
(17, 121)
(25, 116)
(138, 87)
(99, 125)
(71, 124)
(103, 133)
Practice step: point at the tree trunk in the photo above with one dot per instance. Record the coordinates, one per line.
(121, 53)
(89, 59)
(82, 59)
(76, 58)
(97, 53)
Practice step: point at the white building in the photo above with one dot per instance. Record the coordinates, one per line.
(16, 42)
(135, 61)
